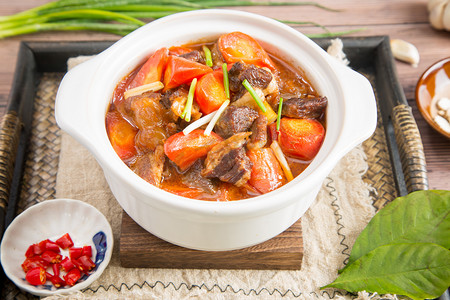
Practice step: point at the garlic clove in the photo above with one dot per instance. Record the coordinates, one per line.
(433, 3)
(436, 16)
(446, 17)
(443, 103)
(443, 123)
(405, 51)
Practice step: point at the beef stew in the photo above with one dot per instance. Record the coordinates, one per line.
(200, 120)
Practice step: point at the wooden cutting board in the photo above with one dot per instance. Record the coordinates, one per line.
(141, 249)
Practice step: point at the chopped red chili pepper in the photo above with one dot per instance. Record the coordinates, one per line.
(36, 276)
(84, 263)
(34, 262)
(75, 252)
(30, 251)
(51, 257)
(49, 245)
(72, 276)
(67, 265)
(56, 268)
(46, 253)
(37, 249)
(56, 280)
(87, 250)
(65, 241)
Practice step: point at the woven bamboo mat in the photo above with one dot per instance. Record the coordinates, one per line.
(379, 175)
(41, 166)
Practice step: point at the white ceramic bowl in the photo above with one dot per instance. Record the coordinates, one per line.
(50, 220)
(86, 91)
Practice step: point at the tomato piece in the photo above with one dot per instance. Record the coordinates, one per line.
(152, 70)
(210, 92)
(34, 262)
(65, 241)
(51, 257)
(72, 276)
(267, 174)
(84, 263)
(121, 134)
(180, 70)
(237, 46)
(301, 138)
(178, 50)
(75, 252)
(36, 276)
(184, 150)
(67, 264)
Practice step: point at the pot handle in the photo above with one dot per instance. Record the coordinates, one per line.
(71, 107)
(360, 119)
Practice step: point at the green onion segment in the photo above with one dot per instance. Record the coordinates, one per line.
(186, 115)
(226, 82)
(255, 96)
(280, 104)
(208, 57)
(119, 16)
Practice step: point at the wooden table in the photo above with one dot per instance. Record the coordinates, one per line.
(403, 19)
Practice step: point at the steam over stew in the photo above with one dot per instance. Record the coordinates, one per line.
(220, 121)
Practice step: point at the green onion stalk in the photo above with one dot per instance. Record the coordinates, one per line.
(255, 96)
(186, 115)
(280, 108)
(123, 16)
(226, 82)
(208, 56)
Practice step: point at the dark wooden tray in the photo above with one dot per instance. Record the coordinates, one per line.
(368, 55)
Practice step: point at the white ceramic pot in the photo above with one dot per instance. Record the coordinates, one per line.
(86, 91)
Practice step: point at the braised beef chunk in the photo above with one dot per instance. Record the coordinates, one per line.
(257, 77)
(194, 55)
(173, 95)
(175, 99)
(235, 119)
(193, 179)
(150, 166)
(233, 76)
(240, 170)
(228, 162)
(216, 56)
(141, 110)
(304, 107)
(258, 139)
(151, 136)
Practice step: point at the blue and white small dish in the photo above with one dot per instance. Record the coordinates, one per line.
(50, 220)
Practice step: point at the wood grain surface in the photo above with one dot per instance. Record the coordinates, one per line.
(141, 249)
(403, 19)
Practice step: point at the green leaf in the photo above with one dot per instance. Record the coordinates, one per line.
(417, 270)
(420, 217)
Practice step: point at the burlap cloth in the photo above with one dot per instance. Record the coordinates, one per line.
(342, 209)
